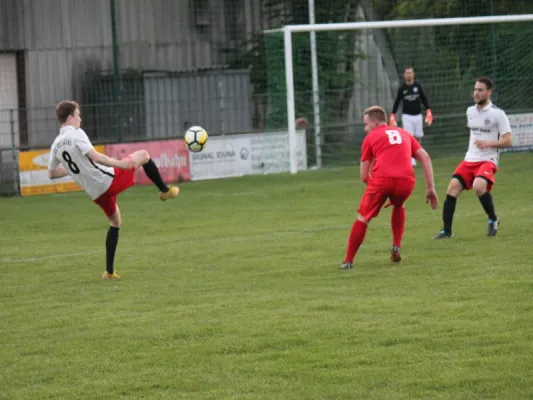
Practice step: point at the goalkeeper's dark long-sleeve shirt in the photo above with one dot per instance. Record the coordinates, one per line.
(411, 96)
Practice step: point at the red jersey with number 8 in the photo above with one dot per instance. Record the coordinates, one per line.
(391, 149)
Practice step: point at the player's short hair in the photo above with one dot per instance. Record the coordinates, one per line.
(64, 109)
(377, 113)
(487, 81)
(408, 67)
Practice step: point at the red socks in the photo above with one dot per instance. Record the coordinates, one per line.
(398, 225)
(358, 232)
(357, 235)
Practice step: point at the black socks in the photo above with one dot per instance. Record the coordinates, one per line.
(447, 212)
(488, 205)
(152, 172)
(111, 246)
(449, 209)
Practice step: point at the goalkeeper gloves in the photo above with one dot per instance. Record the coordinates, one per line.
(392, 120)
(429, 117)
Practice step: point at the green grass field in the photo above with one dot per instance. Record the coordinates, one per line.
(233, 291)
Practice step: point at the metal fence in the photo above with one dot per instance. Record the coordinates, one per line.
(9, 148)
(152, 106)
(9, 174)
(149, 69)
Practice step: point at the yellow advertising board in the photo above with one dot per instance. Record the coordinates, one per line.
(33, 167)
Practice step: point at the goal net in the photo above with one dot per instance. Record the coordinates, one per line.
(325, 87)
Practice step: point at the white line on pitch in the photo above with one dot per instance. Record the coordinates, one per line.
(9, 260)
(51, 256)
(229, 239)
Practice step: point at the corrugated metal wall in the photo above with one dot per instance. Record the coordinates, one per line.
(68, 50)
(12, 25)
(8, 100)
(67, 39)
(215, 100)
(9, 127)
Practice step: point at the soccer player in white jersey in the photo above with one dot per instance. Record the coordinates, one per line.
(102, 177)
(490, 131)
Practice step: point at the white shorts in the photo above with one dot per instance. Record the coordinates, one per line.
(413, 124)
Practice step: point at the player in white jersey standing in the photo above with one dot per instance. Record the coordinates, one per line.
(102, 177)
(490, 131)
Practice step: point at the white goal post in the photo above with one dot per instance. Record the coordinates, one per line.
(288, 30)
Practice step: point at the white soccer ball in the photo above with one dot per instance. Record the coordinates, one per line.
(196, 138)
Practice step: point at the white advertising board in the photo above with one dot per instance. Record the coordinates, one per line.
(222, 157)
(247, 154)
(270, 152)
(522, 129)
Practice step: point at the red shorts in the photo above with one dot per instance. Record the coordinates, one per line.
(379, 190)
(467, 171)
(108, 201)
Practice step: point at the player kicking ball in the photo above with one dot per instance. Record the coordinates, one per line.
(102, 177)
(490, 131)
(388, 152)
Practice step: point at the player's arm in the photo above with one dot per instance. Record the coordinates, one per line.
(505, 140)
(429, 116)
(424, 158)
(397, 100)
(102, 159)
(55, 169)
(367, 160)
(506, 137)
(427, 166)
(364, 171)
(57, 173)
(85, 146)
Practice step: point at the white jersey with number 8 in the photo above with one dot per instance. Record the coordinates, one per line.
(70, 150)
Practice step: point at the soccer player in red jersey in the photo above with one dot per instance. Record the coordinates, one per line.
(386, 169)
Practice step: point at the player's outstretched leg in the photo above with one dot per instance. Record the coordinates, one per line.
(454, 189)
(111, 246)
(485, 198)
(142, 158)
(357, 235)
(398, 228)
